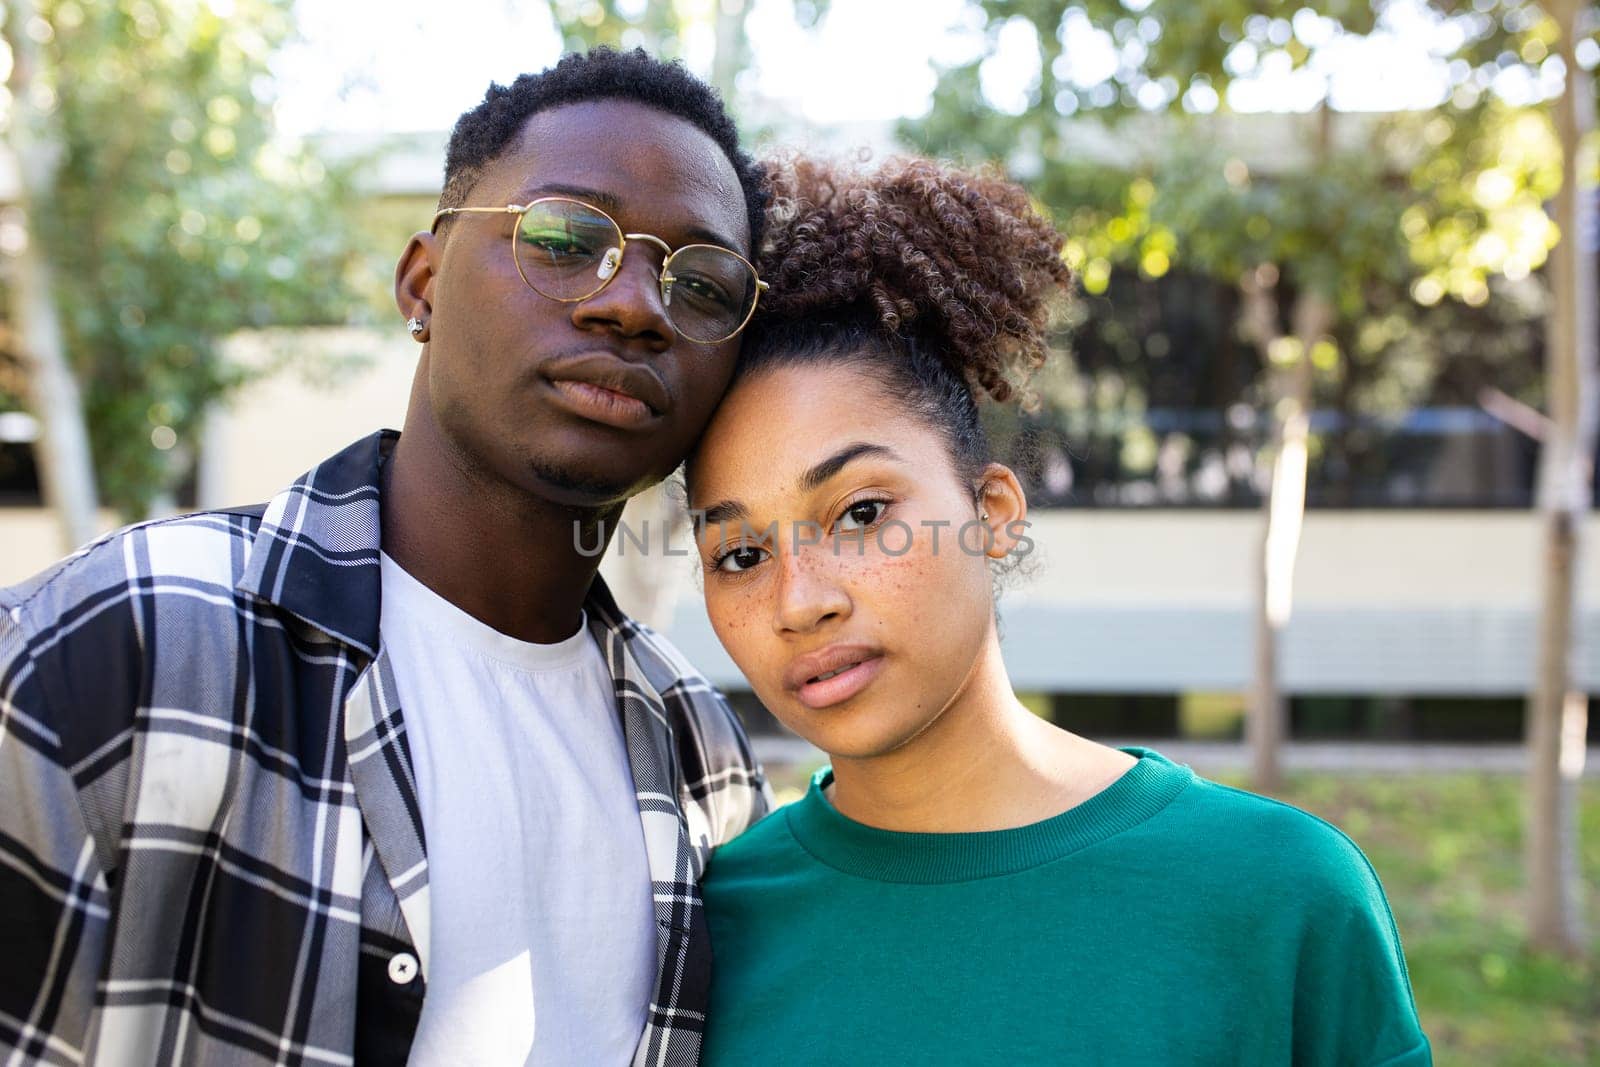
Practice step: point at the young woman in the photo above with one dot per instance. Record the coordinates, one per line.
(967, 883)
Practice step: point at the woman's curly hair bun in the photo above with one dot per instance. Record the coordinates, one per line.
(958, 259)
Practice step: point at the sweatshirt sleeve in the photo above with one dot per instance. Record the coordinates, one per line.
(1353, 1002)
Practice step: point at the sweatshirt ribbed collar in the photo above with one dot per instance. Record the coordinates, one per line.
(894, 856)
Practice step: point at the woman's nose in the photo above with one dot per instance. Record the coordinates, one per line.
(809, 592)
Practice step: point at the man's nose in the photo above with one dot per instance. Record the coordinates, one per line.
(630, 302)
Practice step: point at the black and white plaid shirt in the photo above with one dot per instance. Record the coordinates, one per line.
(210, 845)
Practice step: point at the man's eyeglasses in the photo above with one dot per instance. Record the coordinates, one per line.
(568, 251)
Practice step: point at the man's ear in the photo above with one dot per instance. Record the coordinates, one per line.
(413, 281)
(1003, 508)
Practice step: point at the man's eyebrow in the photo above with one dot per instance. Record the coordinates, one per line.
(599, 198)
(612, 203)
(835, 463)
(701, 235)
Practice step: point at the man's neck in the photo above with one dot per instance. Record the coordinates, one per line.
(504, 557)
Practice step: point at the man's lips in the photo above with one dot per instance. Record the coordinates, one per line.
(832, 675)
(609, 386)
(599, 404)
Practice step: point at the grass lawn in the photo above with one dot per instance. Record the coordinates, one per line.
(1448, 849)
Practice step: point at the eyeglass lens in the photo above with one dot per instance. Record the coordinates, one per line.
(562, 248)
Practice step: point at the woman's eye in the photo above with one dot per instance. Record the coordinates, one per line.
(861, 515)
(740, 559)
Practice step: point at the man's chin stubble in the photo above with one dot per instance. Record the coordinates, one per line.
(583, 491)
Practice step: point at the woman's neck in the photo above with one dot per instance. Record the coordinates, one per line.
(985, 763)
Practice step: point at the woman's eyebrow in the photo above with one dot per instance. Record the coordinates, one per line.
(817, 475)
(720, 513)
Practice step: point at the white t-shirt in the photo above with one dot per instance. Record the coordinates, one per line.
(542, 946)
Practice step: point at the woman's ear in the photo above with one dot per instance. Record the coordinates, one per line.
(413, 283)
(1003, 508)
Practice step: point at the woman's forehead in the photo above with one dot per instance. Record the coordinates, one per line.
(774, 428)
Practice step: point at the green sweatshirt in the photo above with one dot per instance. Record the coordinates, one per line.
(1166, 920)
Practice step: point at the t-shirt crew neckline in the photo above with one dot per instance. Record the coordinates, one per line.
(455, 626)
(926, 858)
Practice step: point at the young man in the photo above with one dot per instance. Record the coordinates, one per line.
(380, 771)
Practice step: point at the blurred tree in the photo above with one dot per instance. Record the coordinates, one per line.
(660, 26)
(1550, 46)
(1558, 708)
(66, 469)
(651, 24)
(162, 215)
(663, 27)
(1524, 190)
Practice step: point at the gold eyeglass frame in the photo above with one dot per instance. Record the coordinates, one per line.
(663, 280)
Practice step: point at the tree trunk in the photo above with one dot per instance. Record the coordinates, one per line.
(1283, 509)
(1557, 709)
(1289, 369)
(65, 461)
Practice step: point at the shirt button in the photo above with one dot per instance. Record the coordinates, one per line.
(402, 968)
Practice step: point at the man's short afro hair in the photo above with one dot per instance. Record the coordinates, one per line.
(480, 135)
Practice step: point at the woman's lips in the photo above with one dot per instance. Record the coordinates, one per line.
(842, 686)
(603, 405)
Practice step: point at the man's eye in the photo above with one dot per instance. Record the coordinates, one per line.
(740, 559)
(556, 244)
(702, 290)
(860, 515)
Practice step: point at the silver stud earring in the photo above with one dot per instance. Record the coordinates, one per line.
(416, 326)
(984, 516)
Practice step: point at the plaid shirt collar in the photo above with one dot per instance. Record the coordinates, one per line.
(316, 553)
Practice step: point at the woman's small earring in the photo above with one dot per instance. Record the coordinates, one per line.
(416, 326)
(984, 516)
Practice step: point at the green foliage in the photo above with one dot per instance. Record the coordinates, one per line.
(657, 25)
(1330, 222)
(1333, 227)
(652, 24)
(1490, 172)
(177, 216)
(662, 27)
(1477, 171)
(1489, 167)
(1170, 54)
(1497, 36)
